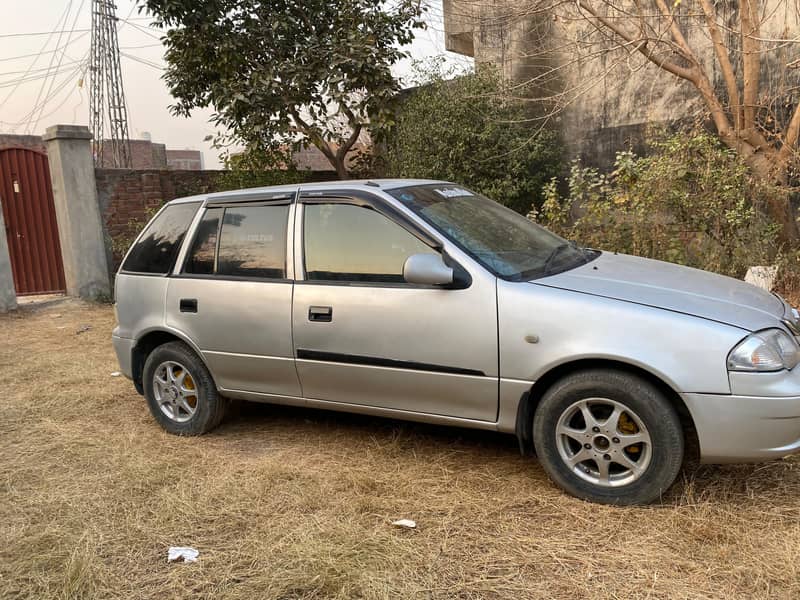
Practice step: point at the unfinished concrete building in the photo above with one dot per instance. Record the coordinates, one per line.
(602, 101)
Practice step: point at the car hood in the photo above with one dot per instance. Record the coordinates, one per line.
(672, 287)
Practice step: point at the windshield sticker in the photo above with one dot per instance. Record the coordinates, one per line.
(453, 192)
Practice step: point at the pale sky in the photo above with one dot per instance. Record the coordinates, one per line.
(55, 84)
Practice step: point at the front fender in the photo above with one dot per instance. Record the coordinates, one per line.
(687, 353)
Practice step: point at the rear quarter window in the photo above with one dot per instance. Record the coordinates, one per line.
(157, 248)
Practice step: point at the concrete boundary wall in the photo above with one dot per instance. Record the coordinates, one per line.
(8, 294)
(75, 196)
(100, 211)
(127, 199)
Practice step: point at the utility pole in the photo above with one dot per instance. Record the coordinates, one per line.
(106, 92)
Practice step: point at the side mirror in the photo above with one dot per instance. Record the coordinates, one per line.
(427, 269)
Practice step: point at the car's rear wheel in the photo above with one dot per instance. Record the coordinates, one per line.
(608, 436)
(180, 391)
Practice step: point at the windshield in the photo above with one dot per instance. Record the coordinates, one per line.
(503, 241)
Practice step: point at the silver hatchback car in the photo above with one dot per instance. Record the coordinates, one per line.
(424, 301)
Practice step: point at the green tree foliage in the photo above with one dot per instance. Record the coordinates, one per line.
(692, 201)
(465, 129)
(287, 72)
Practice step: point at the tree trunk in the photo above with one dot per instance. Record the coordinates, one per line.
(341, 168)
(780, 208)
(768, 167)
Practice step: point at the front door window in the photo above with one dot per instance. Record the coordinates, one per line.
(349, 243)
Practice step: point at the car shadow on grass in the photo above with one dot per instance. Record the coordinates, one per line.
(256, 417)
(252, 424)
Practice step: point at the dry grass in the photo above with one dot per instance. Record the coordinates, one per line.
(287, 503)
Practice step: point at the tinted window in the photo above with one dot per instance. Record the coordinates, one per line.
(344, 242)
(253, 242)
(201, 257)
(156, 250)
(503, 241)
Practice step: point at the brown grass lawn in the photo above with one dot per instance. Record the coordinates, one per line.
(288, 503)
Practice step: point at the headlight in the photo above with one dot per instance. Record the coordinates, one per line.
(768, 350)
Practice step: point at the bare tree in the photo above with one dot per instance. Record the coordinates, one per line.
(740, 109)
(738, 58)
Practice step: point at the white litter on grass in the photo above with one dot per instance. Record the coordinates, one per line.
(187, 554)
(115, 374)
(407, 523)
(763, 277)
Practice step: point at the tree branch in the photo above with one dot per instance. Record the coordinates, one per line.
(725, 64)
(357, 126)
(792, 132)
(677, 34)
(640, 44)
(751, 59)
(314, 136)
(348, 144)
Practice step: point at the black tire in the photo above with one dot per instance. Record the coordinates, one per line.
(650, 479)
(209, 408)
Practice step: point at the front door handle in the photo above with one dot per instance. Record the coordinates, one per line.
(188, 305)
(320, 314)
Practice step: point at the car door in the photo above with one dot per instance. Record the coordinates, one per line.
(363, 336)
(232, 296)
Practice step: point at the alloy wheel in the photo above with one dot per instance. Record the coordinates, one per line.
(175, 391)
(604, 442)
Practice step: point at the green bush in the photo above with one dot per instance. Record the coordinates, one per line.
(691, 201)
(465, 129)
(237, 179)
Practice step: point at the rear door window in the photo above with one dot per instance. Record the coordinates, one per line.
(249, 242)
(252, 242)
(204, 248)
(157, 248)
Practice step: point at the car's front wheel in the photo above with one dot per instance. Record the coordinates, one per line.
(180, 391)
(608, 436)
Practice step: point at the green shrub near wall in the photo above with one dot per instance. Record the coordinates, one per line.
(240, 179)
(690, 201)
(465, 129)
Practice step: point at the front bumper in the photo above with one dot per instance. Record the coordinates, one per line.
(744, 428)
(124, 349)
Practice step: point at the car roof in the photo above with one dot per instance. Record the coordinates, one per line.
(366, 185)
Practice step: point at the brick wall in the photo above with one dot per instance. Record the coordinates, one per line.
(189, 160)
(127, 198)
(144, 154)
(33, 142)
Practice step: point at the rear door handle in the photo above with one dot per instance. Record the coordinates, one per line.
(188, 305)
(320, 314)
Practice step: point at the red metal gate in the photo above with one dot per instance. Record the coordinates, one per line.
(27, 200)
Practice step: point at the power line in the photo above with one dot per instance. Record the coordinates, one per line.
(144, 29)
(21, 56)
(61, 19)
(79, 71)
(140, 47)
(143, 61)
(50, 64)
(60, 61)
(20, 80)
(40, 33)
(71, 73)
